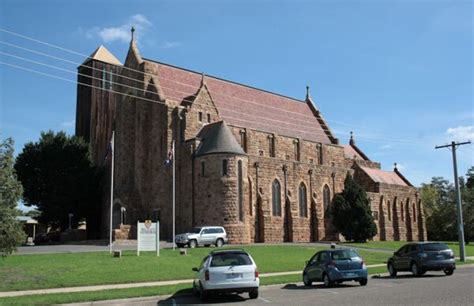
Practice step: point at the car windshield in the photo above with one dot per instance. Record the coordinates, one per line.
(435, 247)
(196, 230)
(230, 259)
(344, 254)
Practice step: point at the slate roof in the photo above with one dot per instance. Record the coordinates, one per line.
(381, 176)
(103, 55)
(244, 106)
(217, 138)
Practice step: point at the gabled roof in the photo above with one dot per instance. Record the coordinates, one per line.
(103, 55)
(386, 177)
(350, 152)
(245, 106)
(217, 138)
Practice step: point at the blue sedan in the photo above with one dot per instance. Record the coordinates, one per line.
(335, 266)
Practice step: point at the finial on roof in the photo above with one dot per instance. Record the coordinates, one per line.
(395, 167)
(133, 32)
(308, 96)
(203, 80)
(351, 140)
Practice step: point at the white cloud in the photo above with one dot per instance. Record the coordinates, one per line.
(170, 44)
(120, 33)
(386, 147)
(68, 124)
(460, 133)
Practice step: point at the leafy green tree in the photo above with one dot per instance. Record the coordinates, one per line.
(58, 178)
(11, 232)
(351, 213)
(467, 196)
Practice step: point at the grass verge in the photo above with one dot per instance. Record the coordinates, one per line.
(76, 297)
(28, 272)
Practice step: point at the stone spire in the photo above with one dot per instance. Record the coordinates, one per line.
(308, 95)
(132, 30)
(203, 79)
(351, 140)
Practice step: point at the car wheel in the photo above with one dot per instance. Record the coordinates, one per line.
(327, 281)
(219, 243)
(253, 294)
(306, 280)
(391, 269)
(192, 244)
(363, 281)
(415, 270)
(203, 294)
(449, 271)
(207, 245)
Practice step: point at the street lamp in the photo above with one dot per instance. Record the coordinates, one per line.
(70, 218)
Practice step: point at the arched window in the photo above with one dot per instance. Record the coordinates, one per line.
(326, 200)
(276, 198)
(225, 167)
(389, 211)
(240, 190)
(250, 197)
(414, 213)
(302, 201)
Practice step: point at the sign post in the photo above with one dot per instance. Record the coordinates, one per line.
(148, 237)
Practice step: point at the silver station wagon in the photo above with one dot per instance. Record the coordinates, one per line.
(204, 235)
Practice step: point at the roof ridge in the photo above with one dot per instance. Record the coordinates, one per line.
(225, 80)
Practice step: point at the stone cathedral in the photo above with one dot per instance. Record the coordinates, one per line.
(263, 165)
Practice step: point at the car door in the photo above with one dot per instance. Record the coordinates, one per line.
(311, 267)
(200, 273)
(321, 265)
(405, 258)
(398, 258)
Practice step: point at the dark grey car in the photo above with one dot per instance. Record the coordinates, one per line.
(420, 257)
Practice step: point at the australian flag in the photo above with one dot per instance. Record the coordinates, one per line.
(169, 160)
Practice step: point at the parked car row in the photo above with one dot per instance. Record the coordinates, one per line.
(235, 271)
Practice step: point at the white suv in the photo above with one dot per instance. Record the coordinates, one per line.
(205, 235)
(226, 271)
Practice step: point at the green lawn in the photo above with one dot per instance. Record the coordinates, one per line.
(395, 245)
(62, 298)
(23, 272)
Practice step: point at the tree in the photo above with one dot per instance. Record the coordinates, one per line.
(351, 213)
(59, 178)
(439, 200)
(467, 196)
(11, 232)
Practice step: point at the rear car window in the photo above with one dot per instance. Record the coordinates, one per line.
(230, 259)
(343, 254)
(435, 247)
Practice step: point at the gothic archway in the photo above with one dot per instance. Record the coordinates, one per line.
(288, 222)
(259, 221)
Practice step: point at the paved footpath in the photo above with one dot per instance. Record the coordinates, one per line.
(129, 285)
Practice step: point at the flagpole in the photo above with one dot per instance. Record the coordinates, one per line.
(112, 190)
(174, 196)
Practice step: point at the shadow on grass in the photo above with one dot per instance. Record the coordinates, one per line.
(185, 296)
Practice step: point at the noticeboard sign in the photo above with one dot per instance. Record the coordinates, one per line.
(148, 237)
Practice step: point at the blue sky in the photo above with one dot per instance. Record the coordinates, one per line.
(397, 73)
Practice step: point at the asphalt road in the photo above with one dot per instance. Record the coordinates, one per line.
(434, 288)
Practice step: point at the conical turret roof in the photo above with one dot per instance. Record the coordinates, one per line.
(216, 138)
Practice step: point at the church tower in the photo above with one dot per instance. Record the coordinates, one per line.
(96, 100)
